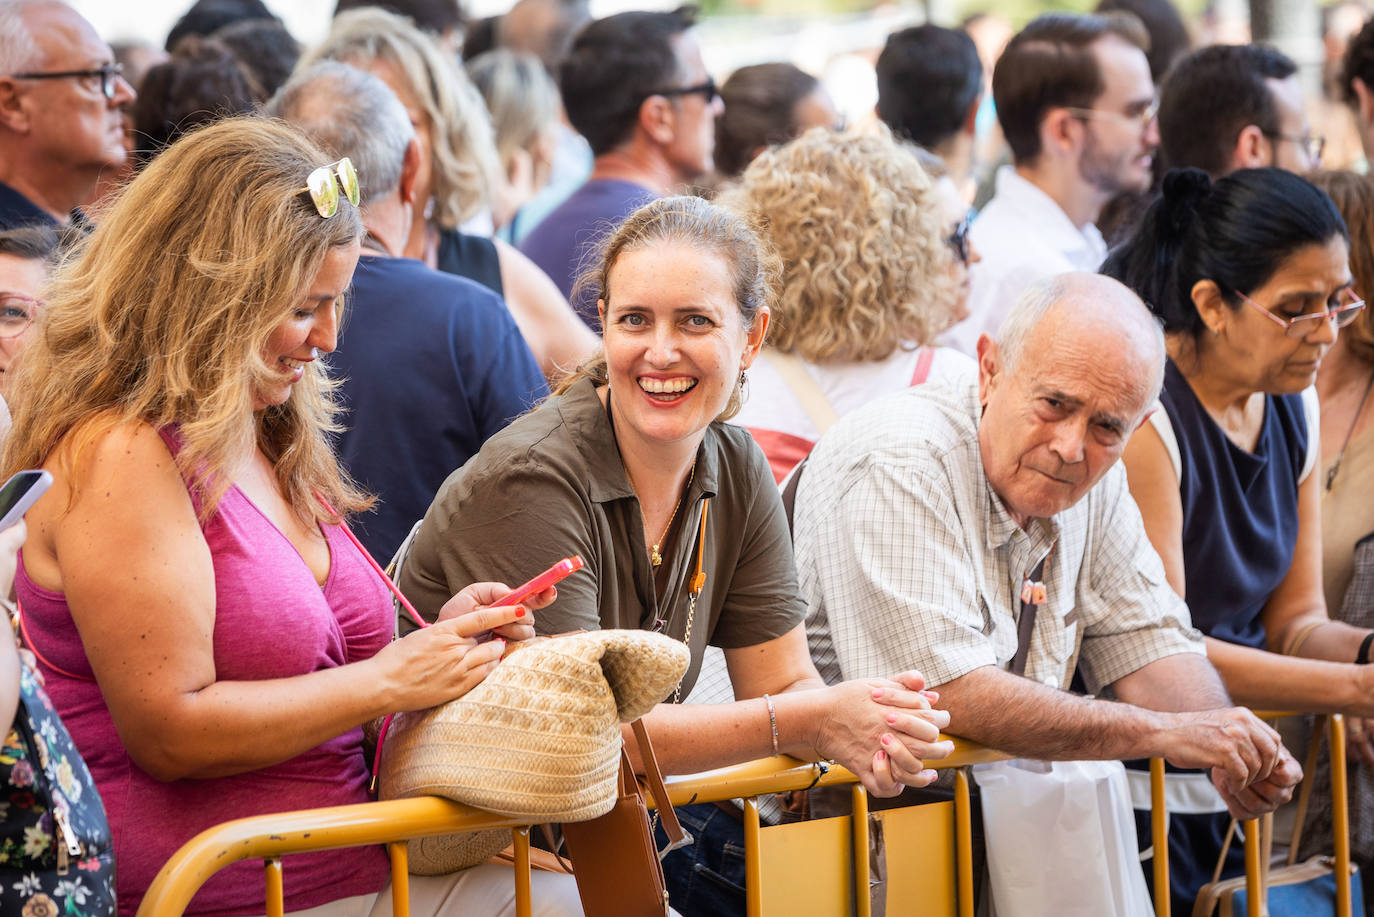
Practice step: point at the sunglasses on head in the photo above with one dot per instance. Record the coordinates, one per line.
(324, 183)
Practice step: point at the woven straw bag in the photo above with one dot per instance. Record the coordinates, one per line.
(538, 739)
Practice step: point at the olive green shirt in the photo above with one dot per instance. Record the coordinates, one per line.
(552, 484)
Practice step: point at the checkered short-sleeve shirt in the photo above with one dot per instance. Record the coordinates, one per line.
(908, 560)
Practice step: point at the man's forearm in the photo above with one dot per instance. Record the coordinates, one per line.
(1025, 718)
(1178, 683)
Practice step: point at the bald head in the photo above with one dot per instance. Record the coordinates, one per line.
(1077, 364)
(1090, 306)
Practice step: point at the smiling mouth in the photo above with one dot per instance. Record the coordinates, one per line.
(666, 389)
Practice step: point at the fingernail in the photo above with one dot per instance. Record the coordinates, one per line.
(881, 756)
(931, 696)
(929, 774)
(886, 739)
(892, 719)
(877, 693)
(519, 611)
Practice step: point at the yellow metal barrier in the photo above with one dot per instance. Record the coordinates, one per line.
(1256, 859)
(269, 837)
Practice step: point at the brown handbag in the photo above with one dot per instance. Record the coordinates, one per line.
(615, 860)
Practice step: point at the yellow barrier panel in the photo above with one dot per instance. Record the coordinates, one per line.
(269, 837)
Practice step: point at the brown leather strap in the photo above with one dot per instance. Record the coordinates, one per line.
(1309, 772)
(1025, 628)
(671, 827)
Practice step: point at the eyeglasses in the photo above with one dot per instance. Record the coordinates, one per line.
(707, 89)
(17, 313)
(958, 240)
(1312, 144)
(324, 183)
(1141, 120)
(1303, 325)
(109, 75)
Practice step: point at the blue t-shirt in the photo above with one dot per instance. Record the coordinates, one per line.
(568, 241)
(432, 365)
(17, 211)
(1240, 509)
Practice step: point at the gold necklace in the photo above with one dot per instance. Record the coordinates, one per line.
(655, 558)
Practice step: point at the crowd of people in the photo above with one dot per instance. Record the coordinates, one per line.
(1032, 408)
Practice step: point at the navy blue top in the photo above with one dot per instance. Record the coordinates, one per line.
(473, 257)
(17, 211)
(1240, 510)
(567, 241)
(433, 365)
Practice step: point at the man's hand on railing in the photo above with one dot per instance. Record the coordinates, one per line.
(883, 730)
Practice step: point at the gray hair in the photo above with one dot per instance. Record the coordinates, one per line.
(18, 51)
(1042, 295)
(465, 167)
(520, 94)
(350, 113)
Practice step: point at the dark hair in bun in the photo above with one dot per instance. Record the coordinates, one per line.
(1236, 232)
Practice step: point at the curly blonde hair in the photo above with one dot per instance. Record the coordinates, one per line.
(859, 227)
(162, 314)
(465, 164)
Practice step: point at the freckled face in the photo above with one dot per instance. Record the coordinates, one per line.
(310, 329)
(675, 341)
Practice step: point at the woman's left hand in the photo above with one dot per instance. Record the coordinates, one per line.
(483, 595)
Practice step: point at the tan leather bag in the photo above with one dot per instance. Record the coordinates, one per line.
(615, 859)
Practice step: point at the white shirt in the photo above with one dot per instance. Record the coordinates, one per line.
(780, 422)
(1023, 236)
(908, 559)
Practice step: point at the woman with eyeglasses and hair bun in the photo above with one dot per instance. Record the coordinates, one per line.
(875, 248)
(208, 629)
(1250, 278)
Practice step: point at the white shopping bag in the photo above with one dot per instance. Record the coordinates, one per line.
(1061, 840)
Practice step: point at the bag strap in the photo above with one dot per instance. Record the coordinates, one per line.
(372, 562)
(671, 826)
(789, 493)
(818, 408)
(924, 360)
(1309, 770)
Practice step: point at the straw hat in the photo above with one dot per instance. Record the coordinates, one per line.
(539, 738)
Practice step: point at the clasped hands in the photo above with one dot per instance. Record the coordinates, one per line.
(884, 730)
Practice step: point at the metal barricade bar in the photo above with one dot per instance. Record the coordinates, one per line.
(392, 823)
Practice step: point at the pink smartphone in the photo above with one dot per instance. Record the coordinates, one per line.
(549, 577)
(558, 571)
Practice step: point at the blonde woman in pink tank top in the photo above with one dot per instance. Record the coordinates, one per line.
(208, 631)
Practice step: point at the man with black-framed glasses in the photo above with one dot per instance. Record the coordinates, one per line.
(60, 125)
(1229, 107)
(635, 86)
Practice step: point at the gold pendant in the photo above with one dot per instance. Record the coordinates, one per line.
(655, 558)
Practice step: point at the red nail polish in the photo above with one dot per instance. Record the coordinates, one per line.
(520, 611)
(886, 739)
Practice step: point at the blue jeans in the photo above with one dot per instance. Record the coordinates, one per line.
(706, 879)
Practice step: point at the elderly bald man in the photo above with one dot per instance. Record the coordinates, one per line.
(983, 533)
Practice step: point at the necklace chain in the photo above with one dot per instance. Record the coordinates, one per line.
(1336, 465)
(655, 557)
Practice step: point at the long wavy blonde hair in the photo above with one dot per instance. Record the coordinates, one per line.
(465, 165)
(162, 314)
(860, 230)
(706, 227)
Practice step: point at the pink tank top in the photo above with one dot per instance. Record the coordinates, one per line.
(272, 620)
